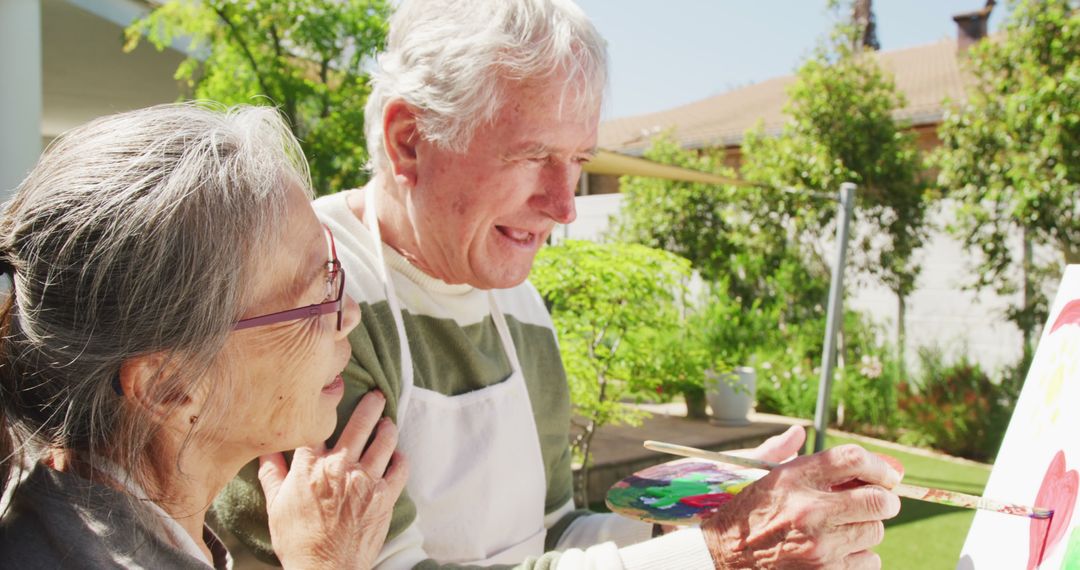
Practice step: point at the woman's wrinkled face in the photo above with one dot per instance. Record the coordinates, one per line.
(285, 378)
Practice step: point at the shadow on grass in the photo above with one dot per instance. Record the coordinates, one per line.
(913, 511)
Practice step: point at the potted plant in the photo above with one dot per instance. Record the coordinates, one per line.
(731, 395)
(733, 333)
(683, 360)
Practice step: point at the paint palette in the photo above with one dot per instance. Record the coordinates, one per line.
(681, 492)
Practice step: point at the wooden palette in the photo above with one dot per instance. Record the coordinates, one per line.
(680, 492)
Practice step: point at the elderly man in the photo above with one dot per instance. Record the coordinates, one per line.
(481, 116)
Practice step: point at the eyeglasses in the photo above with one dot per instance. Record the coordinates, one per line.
(336, 280)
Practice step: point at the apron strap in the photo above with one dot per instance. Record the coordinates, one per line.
(371, 220)
(504, 333)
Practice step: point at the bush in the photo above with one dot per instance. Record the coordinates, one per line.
(955, 408)
(865, 387)
(863, 394)
(787, 380)
(677, 358)
(735, 332)
(609, 303)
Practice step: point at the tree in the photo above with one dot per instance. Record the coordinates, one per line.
(841, 129)
(305, 56)
(690, 219)
(730, 234)
(610, 303)
(1010, 154)
(862, 16)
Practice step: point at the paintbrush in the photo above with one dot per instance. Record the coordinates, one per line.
(941, 496)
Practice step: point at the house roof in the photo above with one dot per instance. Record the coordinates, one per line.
(926, 74)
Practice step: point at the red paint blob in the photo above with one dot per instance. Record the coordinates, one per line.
(1058, 492)
(1070, 315)
(707, 501)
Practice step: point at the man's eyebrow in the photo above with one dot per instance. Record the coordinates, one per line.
(538, 149)
(528, 149)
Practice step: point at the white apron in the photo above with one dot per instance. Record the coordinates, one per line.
(477, 475)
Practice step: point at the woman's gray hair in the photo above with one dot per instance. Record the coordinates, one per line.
(451, 59)
(136, 234)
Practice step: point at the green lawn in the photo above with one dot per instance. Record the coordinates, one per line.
(925, 535)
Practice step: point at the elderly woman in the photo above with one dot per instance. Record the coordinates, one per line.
(176, 311)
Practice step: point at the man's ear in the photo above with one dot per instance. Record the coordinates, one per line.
(140, 380)
(400, 137)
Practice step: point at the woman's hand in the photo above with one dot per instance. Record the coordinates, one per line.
(332, 508)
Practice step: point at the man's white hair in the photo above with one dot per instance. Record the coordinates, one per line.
(452, 59)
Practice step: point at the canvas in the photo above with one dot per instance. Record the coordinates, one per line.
(1040, 456)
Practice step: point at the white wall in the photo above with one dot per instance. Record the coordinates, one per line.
(86, 73)
(20, 96)
(942, 312)
(593, 218)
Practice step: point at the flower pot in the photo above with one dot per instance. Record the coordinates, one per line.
(731, 395)
(695, 403)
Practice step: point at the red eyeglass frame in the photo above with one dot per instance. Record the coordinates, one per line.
(316, 310)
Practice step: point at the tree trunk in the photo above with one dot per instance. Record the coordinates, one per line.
(1072, 255)
(1029, 294)
(901, 336)
(581, 490)
(862, 16)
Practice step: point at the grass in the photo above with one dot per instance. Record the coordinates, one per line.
(925, 535)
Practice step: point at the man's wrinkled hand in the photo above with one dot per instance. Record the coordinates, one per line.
(795, 518)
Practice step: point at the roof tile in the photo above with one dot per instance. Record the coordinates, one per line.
(926, 74)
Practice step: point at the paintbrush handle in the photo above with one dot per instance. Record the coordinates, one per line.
(694, 452)
(940, 496)
(957, 499)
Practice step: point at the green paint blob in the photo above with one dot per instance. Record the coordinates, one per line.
(624, 496)
(1072, 553)
(692, 484)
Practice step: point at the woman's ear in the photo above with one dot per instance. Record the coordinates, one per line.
(141, 382)
(400, 139)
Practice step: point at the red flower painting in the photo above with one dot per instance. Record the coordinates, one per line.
(1070, 315)
(1058, 492)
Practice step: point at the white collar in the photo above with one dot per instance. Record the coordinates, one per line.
(178, 536)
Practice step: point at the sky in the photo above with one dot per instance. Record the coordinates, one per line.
(666, 54)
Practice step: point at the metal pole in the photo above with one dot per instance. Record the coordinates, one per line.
(835, 315)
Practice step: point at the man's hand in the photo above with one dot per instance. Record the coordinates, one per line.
(793, 517)
(778, 448)
(332, 508)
